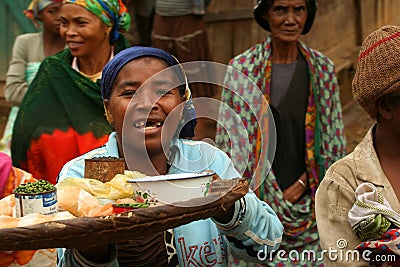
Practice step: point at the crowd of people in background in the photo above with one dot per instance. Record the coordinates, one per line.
(72, 82)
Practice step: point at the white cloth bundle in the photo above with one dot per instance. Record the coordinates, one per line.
(369, 201)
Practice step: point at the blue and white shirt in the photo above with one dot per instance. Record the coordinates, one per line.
(203, 242)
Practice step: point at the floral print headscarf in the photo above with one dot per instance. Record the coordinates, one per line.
(112, 12)
(38, 5)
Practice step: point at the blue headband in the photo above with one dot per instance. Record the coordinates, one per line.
(112, 68)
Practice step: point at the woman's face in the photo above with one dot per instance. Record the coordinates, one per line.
(286, 19)
(50, 17)
(84, 33)
(148, 108)
(393, 101)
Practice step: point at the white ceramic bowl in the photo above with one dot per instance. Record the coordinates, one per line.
(171, 188)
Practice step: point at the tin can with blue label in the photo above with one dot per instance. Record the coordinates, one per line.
(43, 203)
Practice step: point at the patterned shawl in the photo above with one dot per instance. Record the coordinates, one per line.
(325, 141)
(60, 118)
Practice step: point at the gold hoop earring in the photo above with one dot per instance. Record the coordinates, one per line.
(108, 31)
(108, 117)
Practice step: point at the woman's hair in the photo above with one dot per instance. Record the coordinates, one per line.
(264, 5)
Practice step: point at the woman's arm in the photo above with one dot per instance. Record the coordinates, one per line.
(104, 255)
(335, 197)
(255, 231)
(16, 85)
(101, 254)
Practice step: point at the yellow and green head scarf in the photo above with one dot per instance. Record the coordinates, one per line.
(112, 12)
(38, 5)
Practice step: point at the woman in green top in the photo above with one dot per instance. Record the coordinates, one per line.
(62, 116)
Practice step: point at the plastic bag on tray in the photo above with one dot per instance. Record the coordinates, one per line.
(115, 189)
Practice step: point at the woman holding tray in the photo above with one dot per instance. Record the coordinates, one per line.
(152, 118)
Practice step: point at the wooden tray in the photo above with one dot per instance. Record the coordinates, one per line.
(118, 228)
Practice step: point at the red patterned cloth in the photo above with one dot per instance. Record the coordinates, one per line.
(385, 251)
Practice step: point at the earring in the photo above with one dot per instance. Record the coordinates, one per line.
(108, 31)
(108, 117)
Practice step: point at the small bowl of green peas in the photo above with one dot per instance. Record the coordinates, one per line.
(36, 197)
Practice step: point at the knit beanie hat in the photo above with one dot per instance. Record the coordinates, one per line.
(378, 68)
